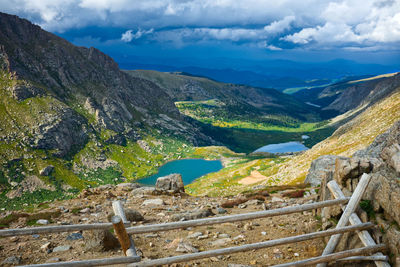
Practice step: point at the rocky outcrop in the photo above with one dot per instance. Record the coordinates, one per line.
(60, 131)
(23, 91)
(171, 183)
(320, 169)
(382, 197)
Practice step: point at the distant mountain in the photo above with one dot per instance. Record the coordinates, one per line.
(278, 74)
(351, 93)
(238, 100)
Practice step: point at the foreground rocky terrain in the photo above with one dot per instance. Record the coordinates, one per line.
(144, 207)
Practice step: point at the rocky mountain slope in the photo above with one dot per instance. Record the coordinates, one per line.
(354, 135)
(69, 118)
(237, 100)
(344, 96)
(241, 117)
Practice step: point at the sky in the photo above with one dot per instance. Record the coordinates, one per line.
(366, 31)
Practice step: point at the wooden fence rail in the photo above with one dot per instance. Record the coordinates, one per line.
(89, 263)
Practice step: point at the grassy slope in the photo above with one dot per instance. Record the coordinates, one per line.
(18, 160)
(355, 135)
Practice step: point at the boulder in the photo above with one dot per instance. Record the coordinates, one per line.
(153, 202)
(46, 171)
(99, 240)
(146, 190)
(350, 168)
(12, 260)
(133, 215)
(170, 183)
(320, 168)
(197, 214)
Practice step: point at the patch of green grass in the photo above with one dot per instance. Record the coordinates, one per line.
(366, 205)
(27, 200)
(101, 177)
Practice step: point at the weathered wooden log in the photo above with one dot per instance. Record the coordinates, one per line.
(55, 229)
(88, 263)
(364, 236)
(334, 256)
(367, 258)
(350, 208)
(121, 233)
(130, 250)
(248, 247)
(232, 218)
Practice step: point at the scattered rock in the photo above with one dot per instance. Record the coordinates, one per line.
(45, 246)
(75, 236)
(242, 206)
(47, 170)
(170, 183)
(202, 237)
(277, 199)
(85, 210)
(62, 248)
(133, 215)
(197, 214)
(128, 186)
(14, 260)
(248, 226)
(100, 240)
(153, 202)
(186, 248)
(221, 210)
(278, 254)
(174, 243)
(223, 236)
(220, 242)
(42, 221)
(54, 259)
(146, 190)
(195, 235)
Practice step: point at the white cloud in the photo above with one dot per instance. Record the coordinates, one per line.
(128, 36)
(340, 23)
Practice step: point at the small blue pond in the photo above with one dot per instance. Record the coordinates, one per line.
(190, 169)
(283, 147)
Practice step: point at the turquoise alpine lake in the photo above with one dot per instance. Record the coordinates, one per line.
(283, 147)
(190, 169)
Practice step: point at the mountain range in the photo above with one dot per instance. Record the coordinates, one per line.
(70, 118)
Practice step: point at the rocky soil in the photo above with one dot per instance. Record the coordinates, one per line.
(144, 206)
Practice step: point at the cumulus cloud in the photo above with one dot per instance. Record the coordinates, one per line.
(331, 23)
(128, 36)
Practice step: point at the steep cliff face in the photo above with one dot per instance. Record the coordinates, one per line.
(87, 83)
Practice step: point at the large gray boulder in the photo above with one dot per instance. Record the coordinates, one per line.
(320, 169)
(170, 183)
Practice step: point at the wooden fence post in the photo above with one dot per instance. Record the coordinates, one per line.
(119, 211)
(350, 208)
(364, 236)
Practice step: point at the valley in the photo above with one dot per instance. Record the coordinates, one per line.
(78, 123)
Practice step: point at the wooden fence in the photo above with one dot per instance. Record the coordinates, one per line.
(131, 258)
